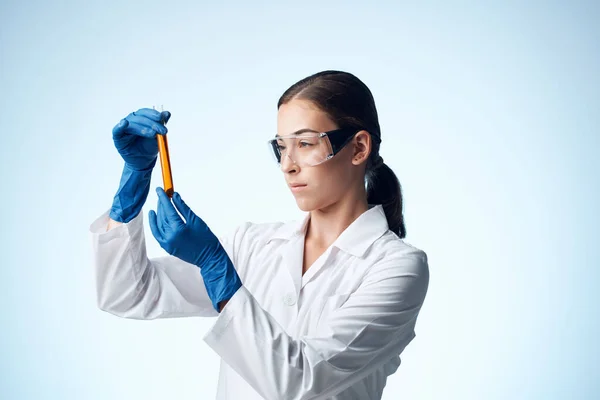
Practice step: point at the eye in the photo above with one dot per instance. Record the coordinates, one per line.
(305, 144)
(280, 147)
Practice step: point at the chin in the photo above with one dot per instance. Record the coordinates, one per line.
(307, 204)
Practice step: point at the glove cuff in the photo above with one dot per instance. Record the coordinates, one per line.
(132, 194)
(220, 279)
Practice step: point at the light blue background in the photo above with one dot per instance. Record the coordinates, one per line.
(490, 119)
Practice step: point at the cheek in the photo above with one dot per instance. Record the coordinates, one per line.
(331, 184)
(337, 175)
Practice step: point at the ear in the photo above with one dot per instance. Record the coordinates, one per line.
(362, 147)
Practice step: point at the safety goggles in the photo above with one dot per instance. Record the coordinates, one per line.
(311, 148)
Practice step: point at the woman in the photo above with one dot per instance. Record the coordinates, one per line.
(315, 309)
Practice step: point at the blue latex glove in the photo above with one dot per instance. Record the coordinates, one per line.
(135, 139)
(192, 241)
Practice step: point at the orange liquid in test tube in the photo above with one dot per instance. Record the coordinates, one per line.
(165, 161)
(165, 164)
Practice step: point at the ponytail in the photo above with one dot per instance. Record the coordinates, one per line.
(383, 187)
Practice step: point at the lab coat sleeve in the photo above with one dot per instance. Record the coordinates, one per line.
(130, 285)
(375, 323)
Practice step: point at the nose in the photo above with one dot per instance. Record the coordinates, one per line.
(287, 163)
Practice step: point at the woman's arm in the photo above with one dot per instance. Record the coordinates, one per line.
(130, 285)
(374, 324)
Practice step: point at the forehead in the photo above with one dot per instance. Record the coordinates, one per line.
(302, 114)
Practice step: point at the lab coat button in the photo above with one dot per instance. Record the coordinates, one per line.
(289, 299)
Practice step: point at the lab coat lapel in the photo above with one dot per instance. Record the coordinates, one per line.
(293, 251)
(354, 240)
(316, 266)
(292, 258)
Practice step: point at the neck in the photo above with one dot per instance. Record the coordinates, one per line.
(326, 224)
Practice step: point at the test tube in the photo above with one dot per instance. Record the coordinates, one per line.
(165, 162)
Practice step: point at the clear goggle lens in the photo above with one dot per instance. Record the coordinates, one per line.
(303, 150)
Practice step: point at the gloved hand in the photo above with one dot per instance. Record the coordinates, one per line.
(192, 241)
(135, 139)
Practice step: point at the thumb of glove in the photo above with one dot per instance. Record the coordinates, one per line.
(183, 208)
(120, 127)
(165, 115)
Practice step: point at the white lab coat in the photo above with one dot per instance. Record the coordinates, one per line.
(335, 333)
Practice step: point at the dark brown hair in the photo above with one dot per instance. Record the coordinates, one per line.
(350, 104)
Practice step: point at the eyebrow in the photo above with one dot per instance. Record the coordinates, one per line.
(300, 131)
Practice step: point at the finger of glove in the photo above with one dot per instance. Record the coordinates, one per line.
(147, 122)
(135, 129)
(154, 115)
(171, 217)
(156, 232)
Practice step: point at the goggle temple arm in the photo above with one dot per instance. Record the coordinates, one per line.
(340, 137)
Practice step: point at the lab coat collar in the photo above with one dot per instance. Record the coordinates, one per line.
(355, 239)
(289, 230)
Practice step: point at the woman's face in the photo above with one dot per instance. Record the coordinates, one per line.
(326, 183)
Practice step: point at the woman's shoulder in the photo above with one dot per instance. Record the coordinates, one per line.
(401, 264)
(392, 246)
(390, 251)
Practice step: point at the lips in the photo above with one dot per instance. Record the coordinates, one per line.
(297, 187)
